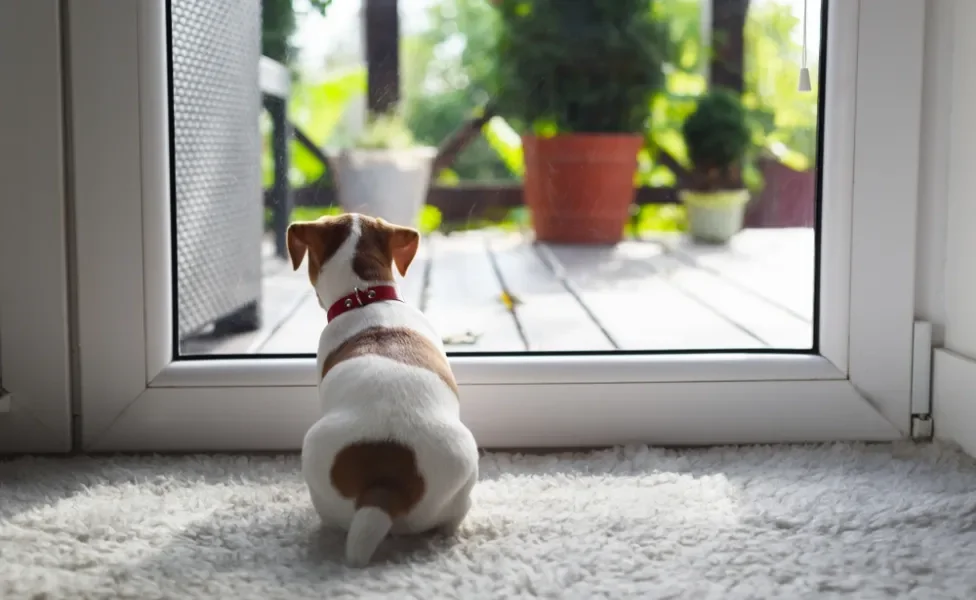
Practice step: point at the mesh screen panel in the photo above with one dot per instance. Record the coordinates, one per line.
(216, 101)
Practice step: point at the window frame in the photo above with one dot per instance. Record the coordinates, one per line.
(134, 397)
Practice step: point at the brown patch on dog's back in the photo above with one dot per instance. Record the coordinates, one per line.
(380, 245)
(383, 474)
(397, 343)
(321, 239)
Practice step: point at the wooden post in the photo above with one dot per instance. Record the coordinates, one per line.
(381, 23)
(727, 66)
(275, 82)
(281, 195)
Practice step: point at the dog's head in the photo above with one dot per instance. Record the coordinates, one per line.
(350, 251)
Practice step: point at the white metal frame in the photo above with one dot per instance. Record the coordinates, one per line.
(34, 335)
(133, 397)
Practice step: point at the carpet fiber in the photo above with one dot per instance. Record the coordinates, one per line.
(760, 522)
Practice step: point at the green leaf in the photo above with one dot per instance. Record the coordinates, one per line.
(448, 177)
(387, 132)
(506, 142)
(317, 107)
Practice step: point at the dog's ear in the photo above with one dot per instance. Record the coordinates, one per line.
(297, 238)
(320, 239)
(404, 243)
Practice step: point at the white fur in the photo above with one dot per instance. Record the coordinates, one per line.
(368, 528)
(376, 398)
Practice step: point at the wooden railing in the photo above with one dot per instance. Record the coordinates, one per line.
(275, 82)
(465, 202)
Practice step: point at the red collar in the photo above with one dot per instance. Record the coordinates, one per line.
(358, 298)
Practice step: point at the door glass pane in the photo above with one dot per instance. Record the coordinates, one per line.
(637, 176)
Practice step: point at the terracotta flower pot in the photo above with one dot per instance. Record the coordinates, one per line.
(579, 187)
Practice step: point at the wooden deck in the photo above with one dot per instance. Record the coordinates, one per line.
(664, 293)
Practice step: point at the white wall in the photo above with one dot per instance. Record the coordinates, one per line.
(946, 254)
(960, 260)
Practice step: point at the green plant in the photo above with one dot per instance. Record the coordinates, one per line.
(582, 66)
(783, 120)
(385, 131)
(717, 136)
(428, 221)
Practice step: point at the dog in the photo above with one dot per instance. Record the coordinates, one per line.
(389, 454)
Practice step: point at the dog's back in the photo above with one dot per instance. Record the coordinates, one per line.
(390, 451)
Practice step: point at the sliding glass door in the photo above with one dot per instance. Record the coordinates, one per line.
(656, 282)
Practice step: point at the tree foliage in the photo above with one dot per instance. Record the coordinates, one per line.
(447, 70)
(278, 26)
(583, 66)
(782, 119)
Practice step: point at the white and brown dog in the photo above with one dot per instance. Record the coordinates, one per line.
(390, 453)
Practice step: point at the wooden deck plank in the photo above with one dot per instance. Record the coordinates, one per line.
(626, 291)
(776, 264)
(412, 286)
(551, 318)
(757, 291)
(289, 332)
(770, 323)
(464, 295)
(281, 291)
(299, 332)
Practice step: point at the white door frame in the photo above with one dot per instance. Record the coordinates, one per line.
(954, 366)
(34, 334)
(134, 397)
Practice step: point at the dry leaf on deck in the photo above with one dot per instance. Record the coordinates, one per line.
(509, 300)
(465, 338)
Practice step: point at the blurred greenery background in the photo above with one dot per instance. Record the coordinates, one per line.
(446, 64)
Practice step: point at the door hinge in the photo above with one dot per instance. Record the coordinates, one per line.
(5, 398)
(921, 401)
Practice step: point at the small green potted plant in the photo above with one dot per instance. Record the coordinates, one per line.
(718, 137)
(576, 77)
(385, 173)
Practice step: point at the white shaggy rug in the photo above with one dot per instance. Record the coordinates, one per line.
(761, 522)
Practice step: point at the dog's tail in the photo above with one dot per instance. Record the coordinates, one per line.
(376, 508)
(382, 478)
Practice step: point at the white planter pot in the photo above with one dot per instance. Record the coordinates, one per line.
(714, 217)
(388, 184)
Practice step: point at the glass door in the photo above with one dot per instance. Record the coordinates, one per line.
(636, 226)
